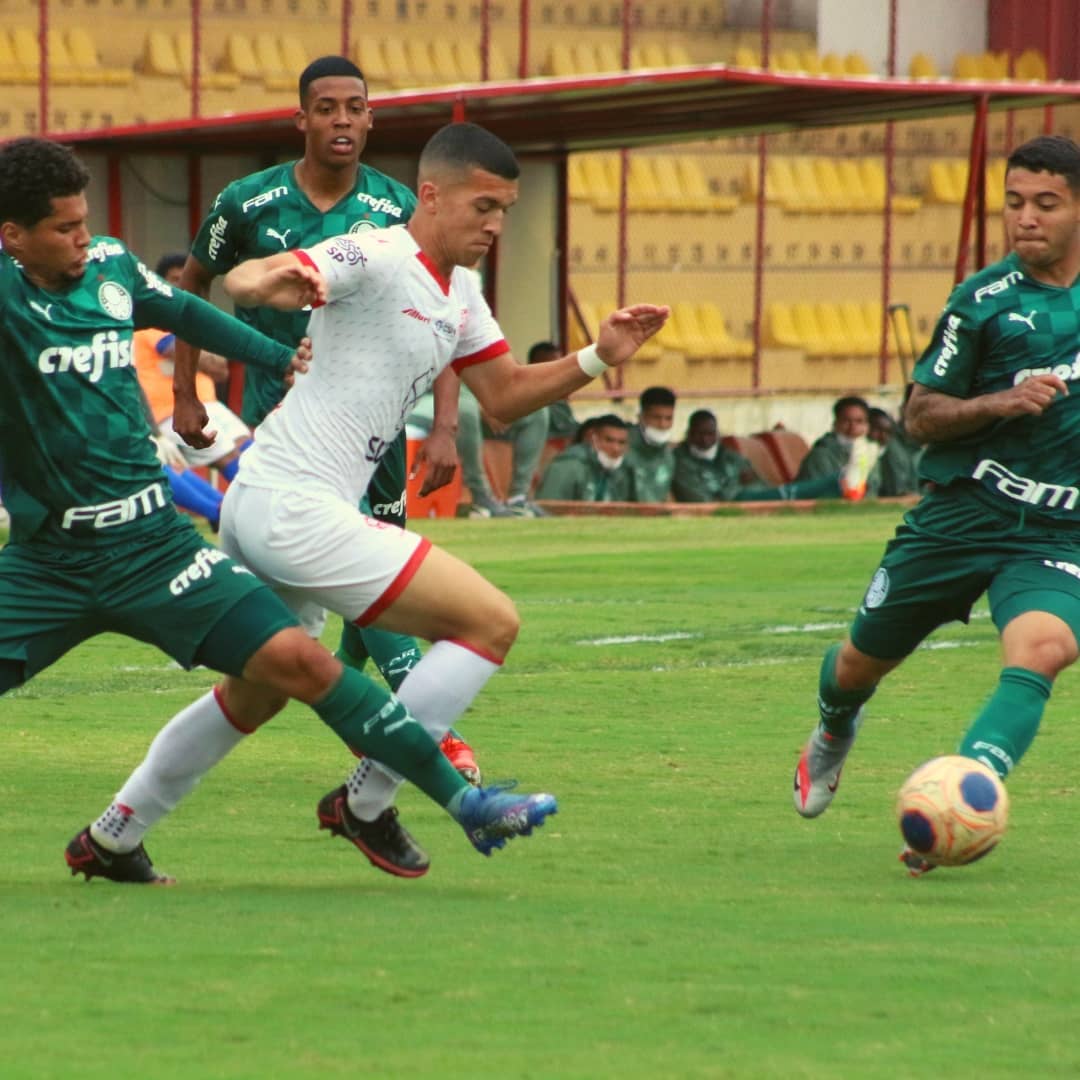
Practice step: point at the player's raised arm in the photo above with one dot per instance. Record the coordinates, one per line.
(508, 390)
(285, 281)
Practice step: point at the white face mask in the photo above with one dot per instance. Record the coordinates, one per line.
(845, 440)
(655, 436)
(608, 462)
(703, 454)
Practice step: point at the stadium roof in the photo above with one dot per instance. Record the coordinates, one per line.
(603, 111)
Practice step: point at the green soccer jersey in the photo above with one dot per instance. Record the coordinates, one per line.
(76, 459)
(1000, 327)
(265, 213)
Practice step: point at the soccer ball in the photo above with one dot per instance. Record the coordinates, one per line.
(952, 810)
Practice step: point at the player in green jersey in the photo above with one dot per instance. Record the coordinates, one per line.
(96, 544)
(326, 193)
(995, 400)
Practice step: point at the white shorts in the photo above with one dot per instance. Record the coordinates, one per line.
(230, 430)
(318, 552)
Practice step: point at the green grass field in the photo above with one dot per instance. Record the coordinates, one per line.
(676, 919)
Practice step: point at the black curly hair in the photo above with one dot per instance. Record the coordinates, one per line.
(1052, 154)
(33, 172)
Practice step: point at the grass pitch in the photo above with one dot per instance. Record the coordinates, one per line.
(676, 919)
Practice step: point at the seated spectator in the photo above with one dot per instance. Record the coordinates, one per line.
(897, 466)
(594, 469)
(561, 421)
(650, 456)
(847, 450)
(707, 471)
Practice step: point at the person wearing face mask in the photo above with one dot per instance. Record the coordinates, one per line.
(650, 455)
(846, 450)
(707, 471)
(593, 470)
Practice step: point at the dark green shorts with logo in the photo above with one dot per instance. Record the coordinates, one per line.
(385, 498)
(167, 587)
(950, 549)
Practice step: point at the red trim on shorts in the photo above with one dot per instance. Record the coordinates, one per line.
(125, 810)
(397, 586)
(228, 716)
(495, 349)
(435, 272)
(307, 260)
(482, 653)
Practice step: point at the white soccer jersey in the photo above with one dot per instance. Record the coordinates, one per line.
(391, 324)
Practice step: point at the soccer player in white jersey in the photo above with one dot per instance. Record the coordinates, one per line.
(394, 308)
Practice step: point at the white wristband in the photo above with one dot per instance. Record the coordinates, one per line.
(589, 361)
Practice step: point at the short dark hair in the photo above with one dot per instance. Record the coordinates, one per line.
(609, 420)
(1049, 153)
(33, 172)
(842, 403)
(656, 395)
(698, 415)
(169, 261)
(326, 66)
(466, 146)
(542, 347)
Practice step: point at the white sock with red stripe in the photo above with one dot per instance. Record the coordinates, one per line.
(183, 751)
(436, 692)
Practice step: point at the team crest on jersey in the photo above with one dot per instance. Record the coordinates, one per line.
(362, 226)
(115, 300)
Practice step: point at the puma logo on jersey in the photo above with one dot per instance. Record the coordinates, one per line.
(42, 309)
(279, 236)
(1027, 320)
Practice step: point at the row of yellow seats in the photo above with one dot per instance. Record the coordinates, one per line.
(664, 182)
(844, 328)
(72, 55)
(589, 58)
(395, 62)
(806, 62)
(273, 59)
(696, 331)
(1029, 66)
(826, 185)
(948, 178)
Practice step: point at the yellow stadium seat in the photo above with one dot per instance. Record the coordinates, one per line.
(780, 329)
(560, 61)
(875, 183)
(810, 62)
(601, 172)
(419, 62)
(834, 330)
(240, 57)
(833, 65)
(834, 189)
(368, 52)
(271, 63)
(397, 63)
(864, 336)
(745, 57)
(577, 183)
(643, 188)
(208, 78)
(941, 184)
(810, 195)
(467, 53)
(994, 66)
(444, 61)
(1030, 66)
(854, 186)
(12, 72)
(780, 185)
(84, 55)
(294, 56)
(995, 186)
(160, 56)
(24, 42)
(653, 55)
(677, 55)
(670, 184)
(785, 60)
(856, 64)
(715, 327)
(696, 344)
(608, 58)
(809, 330)
(922, 67)
(967, 67)
(695, 187)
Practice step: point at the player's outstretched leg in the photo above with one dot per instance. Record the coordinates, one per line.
(134, 867)
(491, 816)
(817, 774)
(385, 842)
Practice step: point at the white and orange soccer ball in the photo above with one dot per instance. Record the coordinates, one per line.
(952, 810)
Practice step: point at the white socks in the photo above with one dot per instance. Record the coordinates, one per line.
(185, 749)
(436, 692)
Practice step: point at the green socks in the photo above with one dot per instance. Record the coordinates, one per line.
(838, 708)
(395, 655)
(1004, 729)
(370, 720)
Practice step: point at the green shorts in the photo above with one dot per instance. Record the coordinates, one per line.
(385, 498)
(950, 549)
(168, 587)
